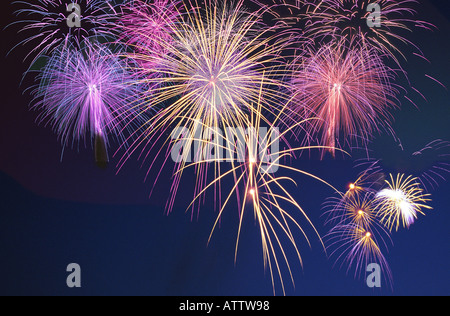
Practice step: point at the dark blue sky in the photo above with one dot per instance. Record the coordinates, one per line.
(53, 213)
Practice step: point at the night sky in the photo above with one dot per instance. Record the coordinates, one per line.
(57, 212)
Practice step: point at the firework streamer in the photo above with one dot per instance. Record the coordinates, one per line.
(145, 25)
(56, 25)
(378, 27)
(349, 89)
(259, 190)
(207, 76)
(401, 202)
(430, 164)
(356, 247)
(87, 91)
(357, 236)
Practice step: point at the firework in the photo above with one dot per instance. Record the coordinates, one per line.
(49, 24)
(357, 236)
(209, 76)
(401, 201)
(216, 60)
(349, 89)
(260, 191)
(356, 209)
(356, 21)
(430, 164)
(368, 181)
(356, 247)
(86, 91)
(146, 25)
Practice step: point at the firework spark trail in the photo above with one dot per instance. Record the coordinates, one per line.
(357, 247)
(86, 91)
(358, 209)
(349, 89)
(334, 20)
(255, 183)
(401, 202)
(356, 204)
(331, 22)
(145, 24)
(367, 212)
(210, 75)
(430, 165)
(46, 22)
(357, 236)
(368, 181)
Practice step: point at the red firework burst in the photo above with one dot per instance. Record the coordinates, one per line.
(348, 88)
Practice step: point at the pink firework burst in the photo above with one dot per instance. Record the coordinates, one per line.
(147, 26)
(348, 88)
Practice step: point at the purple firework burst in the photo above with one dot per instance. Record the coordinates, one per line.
(87, 91)
(52, 24)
